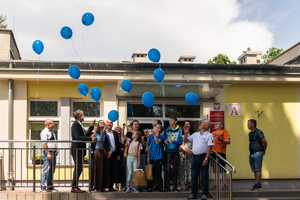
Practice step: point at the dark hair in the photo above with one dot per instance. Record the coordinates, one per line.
(221, 122)
(158, 122)
(191, 127)
(139, 134)
(99, 129)
(253, 121)
(131, 124)
(175, 118)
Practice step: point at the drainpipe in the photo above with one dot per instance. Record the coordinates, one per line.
(10, 132)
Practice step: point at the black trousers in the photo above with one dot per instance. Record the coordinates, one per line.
(113, 169)
(78, 168)
(92, 168)
(156, 170)
(172, 156)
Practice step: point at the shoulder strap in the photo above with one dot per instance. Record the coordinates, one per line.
(129, 143)
(138, 146)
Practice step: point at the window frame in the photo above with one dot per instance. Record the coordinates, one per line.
(86, 118)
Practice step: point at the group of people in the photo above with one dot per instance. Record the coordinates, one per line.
(182, 152)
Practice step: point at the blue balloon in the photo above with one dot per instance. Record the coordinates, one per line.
(87, 19)
(159, 75)
(126, 85)
(154, 55)
(191, 98)
(66, 32)
(95, 93)
(113, 115)
(38, 47)
(83, 89)
(148, 99)
(74, 72)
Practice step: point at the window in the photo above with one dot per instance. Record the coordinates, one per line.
(187, 111)
(90, 109)
(43, 108)
(139, 110)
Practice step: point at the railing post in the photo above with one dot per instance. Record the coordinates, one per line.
(217, 178)
(230, 185)
(90, 168)
(33, 167)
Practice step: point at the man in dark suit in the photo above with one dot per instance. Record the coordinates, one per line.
(78, 133)
(114, 140)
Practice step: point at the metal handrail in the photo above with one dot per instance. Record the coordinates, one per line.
(229, 164)
(48, 141)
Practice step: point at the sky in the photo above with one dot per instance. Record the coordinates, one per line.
(201, 28)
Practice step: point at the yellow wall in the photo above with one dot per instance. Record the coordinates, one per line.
(278, 123)
(49, 89)
(65, 173)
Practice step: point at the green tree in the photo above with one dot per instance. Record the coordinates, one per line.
(220, 59)
(2, 21)
(271, 53)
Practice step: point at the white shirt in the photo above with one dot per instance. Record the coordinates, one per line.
(112, 139)
(45, 135)
(201, 142)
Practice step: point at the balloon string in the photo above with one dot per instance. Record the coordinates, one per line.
(131, 105)
(37, 86)
(86, 54)
(75, 49)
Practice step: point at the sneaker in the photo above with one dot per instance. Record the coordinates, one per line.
(149, 190)
(135, 190)
(128, 190)
(256, 187)
(43, 190)
(203, 197)
(175, 190)
(54, 190)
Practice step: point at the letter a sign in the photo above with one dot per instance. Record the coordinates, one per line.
(234, 109)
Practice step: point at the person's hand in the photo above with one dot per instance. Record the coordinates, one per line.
(109, 154)
(94, 139)
(124, 125)
(93, 135)
(143, 137)
(56, 153)
(93, 122)
(48, 156)
(204, 163)
(118, 157)
(121, 149)
(172, 141)
(219, 138)
(185, 129)
(148, 160)
(138, 166)
(166, 141)
(189, 154)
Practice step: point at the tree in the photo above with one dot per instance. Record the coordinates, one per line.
(220, 59)
(272, 53)
(2, 21)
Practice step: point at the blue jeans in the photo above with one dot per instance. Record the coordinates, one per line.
(255, 161)
(48, 170)
(196, 168)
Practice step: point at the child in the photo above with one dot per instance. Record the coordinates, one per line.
(173, 140)
(155, 157)
(134, 157)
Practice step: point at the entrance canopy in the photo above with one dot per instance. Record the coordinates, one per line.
(171, 90)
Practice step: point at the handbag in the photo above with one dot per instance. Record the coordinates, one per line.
(139, 178)
(148, 173)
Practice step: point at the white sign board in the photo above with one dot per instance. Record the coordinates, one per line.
(234, 109)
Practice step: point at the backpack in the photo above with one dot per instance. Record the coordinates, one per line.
(126, 150)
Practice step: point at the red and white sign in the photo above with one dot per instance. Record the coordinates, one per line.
(217, 113)
(234, 109)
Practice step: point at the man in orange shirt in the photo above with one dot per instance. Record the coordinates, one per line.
(221, 139)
